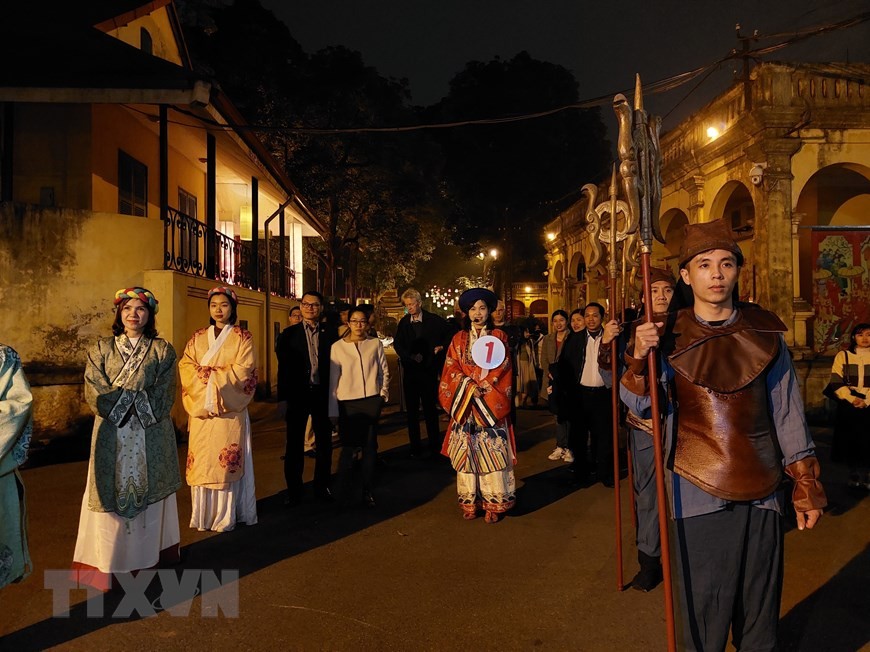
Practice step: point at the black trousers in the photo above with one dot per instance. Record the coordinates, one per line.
(358, 428)
(729, 570)
(592, 418)
(314, 403)
(422, 388)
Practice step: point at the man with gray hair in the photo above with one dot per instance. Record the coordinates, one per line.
(421, 338)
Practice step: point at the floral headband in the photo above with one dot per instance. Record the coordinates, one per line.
(145, 296)
(225, 291)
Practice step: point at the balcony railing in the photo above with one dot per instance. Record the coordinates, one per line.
(191, 247)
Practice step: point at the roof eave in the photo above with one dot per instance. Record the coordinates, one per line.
(198, 95)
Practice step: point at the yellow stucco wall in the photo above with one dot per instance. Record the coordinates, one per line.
(116, 128)
(843, 147)
(855, 212)
(52, 149)
(60, 270)
(157, 24)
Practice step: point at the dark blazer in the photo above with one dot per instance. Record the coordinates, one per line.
(572, 359)
(294, 365)
(436, 332)
(570, 370)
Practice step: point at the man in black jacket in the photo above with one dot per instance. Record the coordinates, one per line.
(420, 342)
(303, 386)
(588, 399)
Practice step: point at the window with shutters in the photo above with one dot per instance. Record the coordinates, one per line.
(187, 203)
(132, 186)
(191, 236)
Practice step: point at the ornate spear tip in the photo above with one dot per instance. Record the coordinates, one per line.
(613, 180)
(638, 93)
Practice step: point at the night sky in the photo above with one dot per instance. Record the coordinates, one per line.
(602, 43)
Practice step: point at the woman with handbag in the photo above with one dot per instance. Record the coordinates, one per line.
(476, 391)
(850, 384)
(551, 349)
(359, 382)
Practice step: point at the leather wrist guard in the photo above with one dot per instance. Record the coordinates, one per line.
(808, 492)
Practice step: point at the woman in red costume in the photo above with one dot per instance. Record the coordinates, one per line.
(476, 391)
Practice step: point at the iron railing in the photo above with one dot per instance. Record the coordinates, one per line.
(191, 247)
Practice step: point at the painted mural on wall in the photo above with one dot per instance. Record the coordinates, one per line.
(841, 286)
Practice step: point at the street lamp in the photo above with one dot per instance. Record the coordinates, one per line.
(488, 261)
(714, 131)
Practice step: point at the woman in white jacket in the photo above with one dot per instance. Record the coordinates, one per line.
(358, 388)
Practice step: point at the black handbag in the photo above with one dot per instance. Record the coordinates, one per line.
(553, 398)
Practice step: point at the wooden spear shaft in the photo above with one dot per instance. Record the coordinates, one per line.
(614, 380)
(644, 154)
(628, 460)
(652, 367)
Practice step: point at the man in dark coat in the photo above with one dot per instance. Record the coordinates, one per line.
(420, 342)
(303, 386)
(587, 399)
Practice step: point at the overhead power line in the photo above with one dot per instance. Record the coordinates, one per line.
(659, 86)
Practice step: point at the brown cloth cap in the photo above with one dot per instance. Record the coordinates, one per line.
(699, 238)
(657, 274)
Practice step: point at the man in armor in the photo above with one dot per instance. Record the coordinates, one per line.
(734, 422)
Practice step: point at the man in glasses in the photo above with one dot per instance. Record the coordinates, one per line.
(303, 384)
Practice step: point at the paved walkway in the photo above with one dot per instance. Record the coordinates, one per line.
(412, 575)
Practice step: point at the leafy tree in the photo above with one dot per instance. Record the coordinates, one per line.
(501, 178)
(375, 189)
(371, 190)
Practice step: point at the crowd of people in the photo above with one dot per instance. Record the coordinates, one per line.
(731, 431)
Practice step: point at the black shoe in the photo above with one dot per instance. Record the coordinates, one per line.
(324, 496)
(650, 574)
(368, 500)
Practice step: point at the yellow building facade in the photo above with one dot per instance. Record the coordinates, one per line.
(149, 179)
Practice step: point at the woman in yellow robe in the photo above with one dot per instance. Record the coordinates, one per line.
(480, 440)
(218, 377)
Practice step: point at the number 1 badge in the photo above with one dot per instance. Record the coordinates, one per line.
(488, 352)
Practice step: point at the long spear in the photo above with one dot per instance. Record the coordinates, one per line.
(614, 394)
(610, 237)
(638, 147)
(628, 460)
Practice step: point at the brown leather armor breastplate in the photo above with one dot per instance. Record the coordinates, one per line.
(725, 441)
